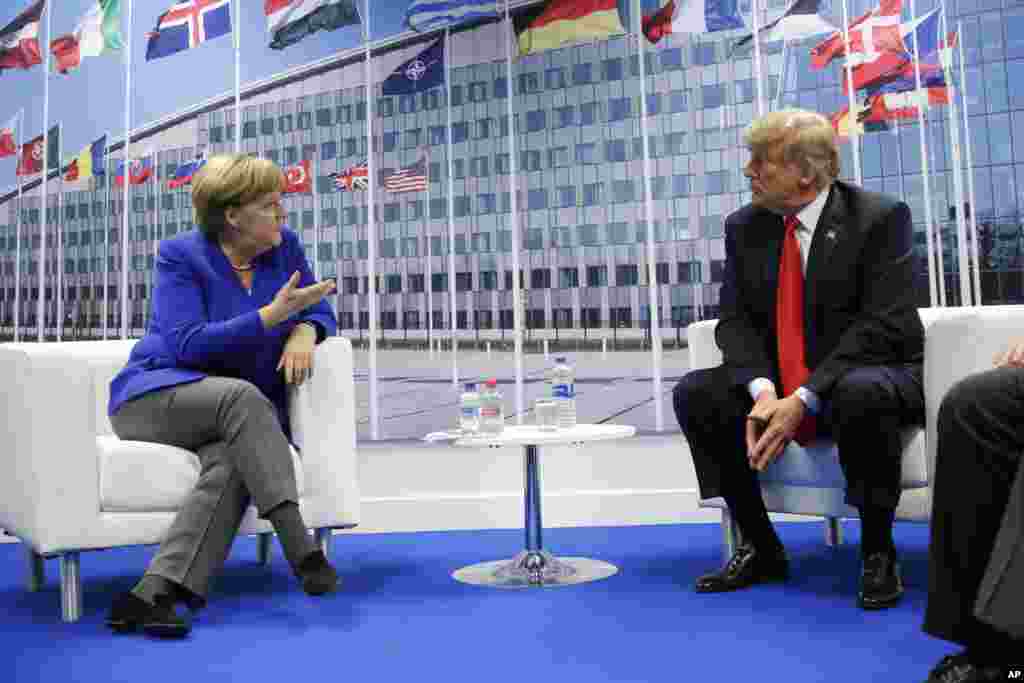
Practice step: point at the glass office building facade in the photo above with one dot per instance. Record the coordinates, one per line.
(578, 171)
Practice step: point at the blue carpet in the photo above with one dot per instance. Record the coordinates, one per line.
(400, 617)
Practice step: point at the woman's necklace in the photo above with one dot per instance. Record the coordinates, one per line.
(247, 266)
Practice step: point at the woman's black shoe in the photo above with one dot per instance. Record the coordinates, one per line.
(318, 576)
(130, 613)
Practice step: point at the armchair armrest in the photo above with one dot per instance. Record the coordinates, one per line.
(961, 344)
(322, 414)
(704, 351)
(48, 480)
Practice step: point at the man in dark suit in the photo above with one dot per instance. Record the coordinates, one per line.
(976, 575)
(839, 355)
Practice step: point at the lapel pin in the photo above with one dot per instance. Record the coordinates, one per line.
(831, 234)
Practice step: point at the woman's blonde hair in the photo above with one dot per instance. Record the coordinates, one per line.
(807, 139)
(230, 180)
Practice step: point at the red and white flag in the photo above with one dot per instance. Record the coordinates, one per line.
(871, 33)
(19, 39)
(298, 178)
(8, 147)
(903, 105)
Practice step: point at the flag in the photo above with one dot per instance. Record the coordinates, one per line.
(186, 25)
(139, 171)
(89, 161)
(890, 64)
(800, 21)
(31, 160)
(352, 178)
(8, 147)
(847, 126)
(411, 178)
(19, 39)
(289, 21)
(298, 178)
(567, 21)
(892, 106)
(98, 32)
(424, 15)
(185, 172)
(692, 16)
(422, 72)
(875, 30)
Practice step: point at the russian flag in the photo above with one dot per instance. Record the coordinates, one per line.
(185, 172)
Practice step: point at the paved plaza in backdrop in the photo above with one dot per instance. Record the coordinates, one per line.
(416, 394)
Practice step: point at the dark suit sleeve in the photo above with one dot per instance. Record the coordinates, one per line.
(319, 314)
(195, 341)
(744, 351)
(888, 328)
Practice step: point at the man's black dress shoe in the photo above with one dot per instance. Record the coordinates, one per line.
(880, 582)
(130, 613)
(958, 669)
(746, 567)
(317, 575)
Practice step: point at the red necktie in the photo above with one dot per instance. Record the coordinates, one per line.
(789, 323)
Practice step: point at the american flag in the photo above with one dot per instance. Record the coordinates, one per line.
(409, 179)
(352, 178)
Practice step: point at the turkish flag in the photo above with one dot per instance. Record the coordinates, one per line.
(298, 178)
(31, 160)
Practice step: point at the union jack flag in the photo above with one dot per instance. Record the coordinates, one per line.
(186, 25)
(353, 178)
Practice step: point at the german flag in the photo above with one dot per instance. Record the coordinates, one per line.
(567, 21)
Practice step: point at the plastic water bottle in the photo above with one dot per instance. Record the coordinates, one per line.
(469, 409)
(492, 415)
(562, 383)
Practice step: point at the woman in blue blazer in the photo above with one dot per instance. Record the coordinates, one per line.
(236, 315)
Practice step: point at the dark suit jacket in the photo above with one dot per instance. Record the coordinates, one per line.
(859, 305)
(1001, 593)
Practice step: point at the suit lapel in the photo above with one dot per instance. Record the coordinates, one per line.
(771, 245)
(828, 233)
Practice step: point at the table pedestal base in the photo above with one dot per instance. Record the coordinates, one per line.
(535, 569)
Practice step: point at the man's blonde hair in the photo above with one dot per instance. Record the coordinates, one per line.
(806, 137)
(230, 180)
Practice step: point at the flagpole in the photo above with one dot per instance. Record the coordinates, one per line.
(59, 290)
(854, 139)
(517, 315)
(451, 207)
(127, 174)
(316, 219)
(970, 167)
(371, 232)
(782, 76)
(107, 172)
(238, 76)
(963, 265)
(654, 317)
(428, 284)
(41, 303)
(17, 233)
(935, 278)
(940, 257)
(758, 76)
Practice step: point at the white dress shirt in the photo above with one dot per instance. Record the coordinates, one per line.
(808, 217)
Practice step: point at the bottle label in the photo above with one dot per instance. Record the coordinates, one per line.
(562, 391)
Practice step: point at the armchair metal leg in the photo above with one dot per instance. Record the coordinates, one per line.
(70, 587)
(36, 569)
(731, 536)
(322, 537)
(833, 532)
(263, 547)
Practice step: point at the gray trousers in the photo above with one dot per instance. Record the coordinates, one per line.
(233, 429)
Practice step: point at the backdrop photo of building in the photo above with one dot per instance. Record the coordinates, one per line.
(579, 178)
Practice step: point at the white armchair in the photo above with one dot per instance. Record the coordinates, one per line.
(67, 484)
(809, 481)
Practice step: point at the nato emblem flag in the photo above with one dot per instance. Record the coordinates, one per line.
(422, 72)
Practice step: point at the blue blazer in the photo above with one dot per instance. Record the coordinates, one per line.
(205, 322)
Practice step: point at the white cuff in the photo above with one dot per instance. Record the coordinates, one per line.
(756, 386)
(809, 398)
